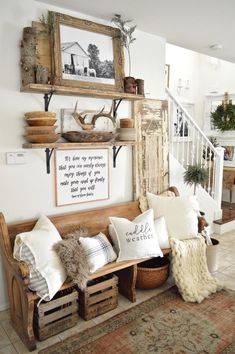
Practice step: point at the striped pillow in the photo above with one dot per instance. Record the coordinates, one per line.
(37, 281)
(98, 250)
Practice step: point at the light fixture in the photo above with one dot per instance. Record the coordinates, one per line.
(182, 86)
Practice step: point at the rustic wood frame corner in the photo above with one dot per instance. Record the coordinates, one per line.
(81, 24)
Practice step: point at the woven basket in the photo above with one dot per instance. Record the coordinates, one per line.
(152, 273)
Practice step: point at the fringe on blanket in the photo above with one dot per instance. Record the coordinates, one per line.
(190, 271)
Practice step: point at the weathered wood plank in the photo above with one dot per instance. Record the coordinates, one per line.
(28, 59)
(151, 171)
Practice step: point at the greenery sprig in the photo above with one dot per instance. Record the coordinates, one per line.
(48, 21)
(224, 117)
(126, 34)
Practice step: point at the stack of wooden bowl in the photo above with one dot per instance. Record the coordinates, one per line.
(41, 127)
(127, 130)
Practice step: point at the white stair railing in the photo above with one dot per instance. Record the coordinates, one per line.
(190, 146)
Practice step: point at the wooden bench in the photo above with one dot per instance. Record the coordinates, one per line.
(17, 273)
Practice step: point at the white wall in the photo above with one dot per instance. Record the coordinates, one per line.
(184, 65)
(26, 190)
(205, 75)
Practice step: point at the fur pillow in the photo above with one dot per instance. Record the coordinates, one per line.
(73, 257)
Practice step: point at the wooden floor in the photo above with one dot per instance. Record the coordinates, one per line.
(228, 213)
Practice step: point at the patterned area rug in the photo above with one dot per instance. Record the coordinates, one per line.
(164, 324)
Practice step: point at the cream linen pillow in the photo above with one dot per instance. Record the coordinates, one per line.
(161, 232)
(160, 229)
(136, 239)
(35, 247)
(179, 212)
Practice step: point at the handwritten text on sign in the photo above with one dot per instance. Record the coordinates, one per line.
(81, 175)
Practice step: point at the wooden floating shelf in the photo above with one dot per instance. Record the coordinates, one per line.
(64, 90)
(49, 148)
(76, 145)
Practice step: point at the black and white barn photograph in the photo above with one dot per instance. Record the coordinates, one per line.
(86, 56)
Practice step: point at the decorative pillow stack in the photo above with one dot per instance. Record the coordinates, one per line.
(82, 255)
(180, 214)
(135, 239)
(35, 248)
(73, 258)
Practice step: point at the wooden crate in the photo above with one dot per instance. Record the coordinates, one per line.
(56, 315)
(100, 296)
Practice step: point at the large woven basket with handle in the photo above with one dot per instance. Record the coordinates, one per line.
(152, 273)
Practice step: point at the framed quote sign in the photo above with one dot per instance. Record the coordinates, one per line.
(81, 175)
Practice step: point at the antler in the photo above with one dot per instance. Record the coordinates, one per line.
(107, 115)
(81, 120)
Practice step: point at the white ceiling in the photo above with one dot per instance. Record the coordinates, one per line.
(192, 24)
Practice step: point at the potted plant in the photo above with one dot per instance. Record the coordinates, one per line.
(126, 36)
(196, 175)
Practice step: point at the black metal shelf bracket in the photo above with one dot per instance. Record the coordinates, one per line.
(47, 99)
(115, 106)
(115, 153)
(48, 152)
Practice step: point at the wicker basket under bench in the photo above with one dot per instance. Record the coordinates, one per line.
(22, 300)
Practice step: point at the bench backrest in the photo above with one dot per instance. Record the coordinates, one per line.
(95, 220)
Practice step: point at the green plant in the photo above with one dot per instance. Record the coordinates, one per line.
(195, 175)
(48, 21)
(224, 117)
(126, 34)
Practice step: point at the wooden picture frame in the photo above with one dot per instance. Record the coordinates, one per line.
(167, 75)
(86, 54)
(81, 175)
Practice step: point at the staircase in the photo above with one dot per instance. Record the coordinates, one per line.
(190, 146)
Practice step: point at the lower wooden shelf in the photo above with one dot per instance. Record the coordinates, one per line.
(62, 145)
(49, 148)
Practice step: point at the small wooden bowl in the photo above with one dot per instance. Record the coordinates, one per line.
(40, 114)
(40, 121)
(42, 138)
(41, 130)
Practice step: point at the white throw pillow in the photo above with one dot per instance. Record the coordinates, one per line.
(136, 239)
(161, 232)
(179, 212)
(98, 250)
(35, 247)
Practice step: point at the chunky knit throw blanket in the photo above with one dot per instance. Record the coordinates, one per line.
(189, 269)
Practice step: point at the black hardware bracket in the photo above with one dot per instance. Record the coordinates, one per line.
(115, 153)
(48, 152)
(47, 99)
(116, 105)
